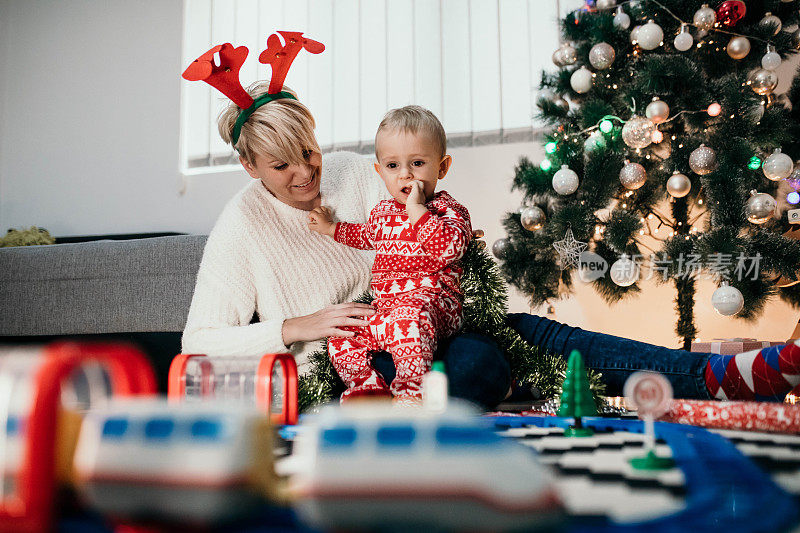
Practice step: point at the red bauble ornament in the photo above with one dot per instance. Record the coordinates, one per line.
(730, 12)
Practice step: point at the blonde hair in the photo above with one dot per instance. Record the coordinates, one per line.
(283, 129)
(414, 119)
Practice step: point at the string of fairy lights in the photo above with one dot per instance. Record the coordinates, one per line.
(705, 22)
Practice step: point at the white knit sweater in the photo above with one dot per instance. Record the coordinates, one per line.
(262, 257)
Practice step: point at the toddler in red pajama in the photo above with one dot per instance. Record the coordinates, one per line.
(418, 236)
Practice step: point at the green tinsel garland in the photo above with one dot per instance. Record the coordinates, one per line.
(26, 237)
(485, 308)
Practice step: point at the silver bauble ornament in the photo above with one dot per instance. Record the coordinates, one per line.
(773, 21)
(532, 218)
(657, 111)
(678, 185)
(565, 181)
(638, 132)
(601, 56)
(760, 207)
(500, 247)
(772, 59)
(738, 47)
(624, 271)
(684, 40)
(650, 36)
(605, 4)
(632, 176)
(727, 300)
(561, 103)
(581, 80)
(565, 55)
(777, 166)
(621, 20)
(595, 141)
(705, 17)
(703, 160)
(763, 81)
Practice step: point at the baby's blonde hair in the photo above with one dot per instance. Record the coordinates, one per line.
(414, 119)
(283, 129)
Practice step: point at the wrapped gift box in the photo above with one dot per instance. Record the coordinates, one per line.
(732, 346)
(751, 416)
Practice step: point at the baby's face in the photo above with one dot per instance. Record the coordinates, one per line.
(404, 157)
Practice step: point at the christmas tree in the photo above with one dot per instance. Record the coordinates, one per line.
(576, 396)
(670, 156)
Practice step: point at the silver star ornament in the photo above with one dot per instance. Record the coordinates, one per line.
(569, 250)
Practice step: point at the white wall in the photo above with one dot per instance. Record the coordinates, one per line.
(89, 142)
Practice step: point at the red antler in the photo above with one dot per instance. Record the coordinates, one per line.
(280, 57)
(225, 76)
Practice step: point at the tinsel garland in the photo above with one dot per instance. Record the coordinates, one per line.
(485, 308)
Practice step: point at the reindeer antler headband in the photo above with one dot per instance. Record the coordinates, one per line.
(225, 76)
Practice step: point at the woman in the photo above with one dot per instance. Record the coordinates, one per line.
(261, 258)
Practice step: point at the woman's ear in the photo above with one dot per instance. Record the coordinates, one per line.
(249, 168)
(444, 166)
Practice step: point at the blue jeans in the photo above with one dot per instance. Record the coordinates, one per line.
(477, 370)
(616, 357)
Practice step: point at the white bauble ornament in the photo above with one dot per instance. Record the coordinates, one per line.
(595, 141)
(565, 181)
(684, 40)
(581, 80)
(605, 4)
(532, 218)
(678, 185)
(773, 21)
(703, 160)
(650, 36)
(738, 47)
(500, 247)
(727, 300)
(772, 59)
(763, 81)
(760, 207)
(632, 176)
(624, 272)
(638, 132)
(704, 18)
(601, 56)
(657, 111)
(777, 166)
(621, 20)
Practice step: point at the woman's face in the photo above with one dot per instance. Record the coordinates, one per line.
(294, 185)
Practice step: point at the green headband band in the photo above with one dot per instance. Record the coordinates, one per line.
(258, 102)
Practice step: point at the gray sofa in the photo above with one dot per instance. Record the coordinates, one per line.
(134, 290)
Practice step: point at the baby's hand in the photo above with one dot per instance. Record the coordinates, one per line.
(417, 194)
(321, 221)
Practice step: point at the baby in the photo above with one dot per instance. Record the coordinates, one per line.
(419, 237)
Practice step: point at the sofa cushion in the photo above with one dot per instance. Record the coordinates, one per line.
(99, 286)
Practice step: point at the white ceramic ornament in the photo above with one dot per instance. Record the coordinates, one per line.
(760, 207)
(621, 20)
(727, 300)
(581, 80)
(565, 181)
(772, 59)
(684, 40)
(704, 18)
(650, 36)
(632, 176)
(601, 56)
(638, 132)
(657, 111)
(738, 47)
(777, 166)
(624, 272)
(678, 185)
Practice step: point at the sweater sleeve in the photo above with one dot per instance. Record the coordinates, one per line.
(224, 301)
(445, 232)
(354, 235)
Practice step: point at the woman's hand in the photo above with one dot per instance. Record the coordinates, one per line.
(320, 220)
(326, 322)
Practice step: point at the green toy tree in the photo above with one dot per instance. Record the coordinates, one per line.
(576, 396)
